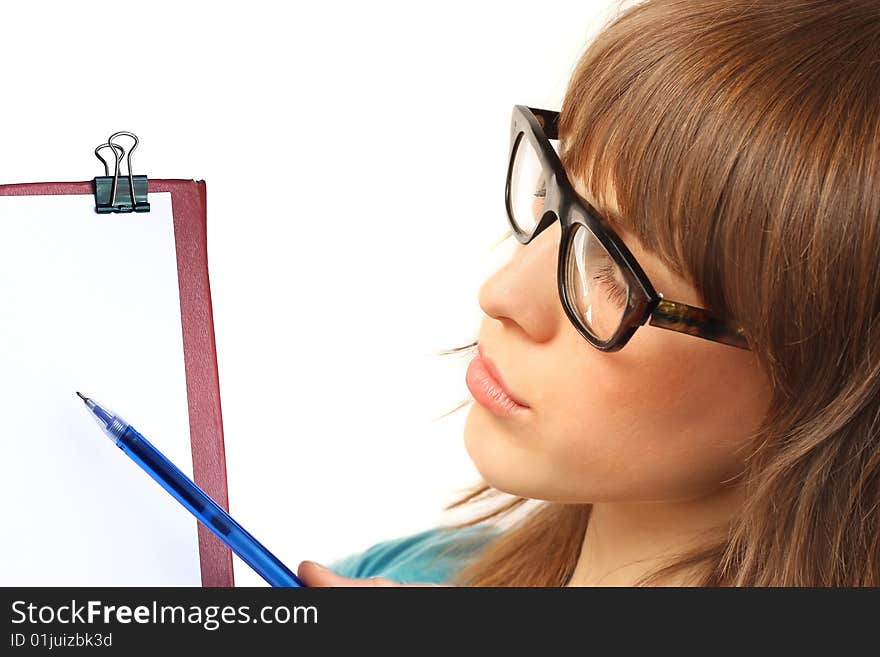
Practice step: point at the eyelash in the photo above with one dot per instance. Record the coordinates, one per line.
(616, 294)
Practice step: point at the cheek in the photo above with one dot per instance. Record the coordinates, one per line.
(648, 423)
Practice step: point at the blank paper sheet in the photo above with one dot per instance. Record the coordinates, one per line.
(90, 302)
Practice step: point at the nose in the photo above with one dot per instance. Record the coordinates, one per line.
(524, 290)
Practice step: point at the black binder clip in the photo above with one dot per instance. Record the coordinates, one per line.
(110, 196)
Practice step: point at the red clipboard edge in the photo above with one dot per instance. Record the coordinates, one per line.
(189, 209)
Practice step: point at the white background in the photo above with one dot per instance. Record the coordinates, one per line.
(355, 156)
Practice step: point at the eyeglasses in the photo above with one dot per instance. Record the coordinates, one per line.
(603, 290)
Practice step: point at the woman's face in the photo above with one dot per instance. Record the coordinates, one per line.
(668, 417)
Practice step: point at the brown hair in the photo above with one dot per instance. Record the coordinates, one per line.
(741, 140)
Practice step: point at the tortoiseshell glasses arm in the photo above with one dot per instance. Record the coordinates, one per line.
(681, 317)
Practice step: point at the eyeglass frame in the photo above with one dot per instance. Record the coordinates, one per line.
(644, 303)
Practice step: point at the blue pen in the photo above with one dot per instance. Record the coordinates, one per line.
(192, 497)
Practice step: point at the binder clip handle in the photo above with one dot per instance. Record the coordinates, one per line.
(116, 147)
(109, 196)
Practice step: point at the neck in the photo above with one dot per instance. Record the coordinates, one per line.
(626, 541)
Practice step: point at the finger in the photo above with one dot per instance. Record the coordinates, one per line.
(314, 574)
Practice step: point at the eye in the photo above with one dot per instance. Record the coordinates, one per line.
(538, 199)
(616, 293)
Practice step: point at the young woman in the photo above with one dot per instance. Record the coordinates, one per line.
(682, 359)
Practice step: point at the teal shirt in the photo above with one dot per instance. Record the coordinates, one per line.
(430, 557)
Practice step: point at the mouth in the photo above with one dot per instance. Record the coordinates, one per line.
(487, 386)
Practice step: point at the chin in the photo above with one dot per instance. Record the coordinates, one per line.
(500, 458)
(485, 447)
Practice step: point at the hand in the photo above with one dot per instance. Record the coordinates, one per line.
(314, 574)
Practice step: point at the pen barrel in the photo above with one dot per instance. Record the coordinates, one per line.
(206, 510)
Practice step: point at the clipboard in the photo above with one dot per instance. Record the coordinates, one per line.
(189, 211)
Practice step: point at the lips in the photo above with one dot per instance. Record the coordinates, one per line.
(495, 374)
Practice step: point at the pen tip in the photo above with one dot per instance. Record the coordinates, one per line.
(81, 397)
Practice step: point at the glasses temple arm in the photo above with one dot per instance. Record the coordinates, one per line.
(695, 321)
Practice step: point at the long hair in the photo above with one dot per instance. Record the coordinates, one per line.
(741, 140)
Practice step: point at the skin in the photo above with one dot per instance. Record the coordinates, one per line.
(316, 575)
(654, 435)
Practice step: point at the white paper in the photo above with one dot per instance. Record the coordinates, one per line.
(90, 302)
